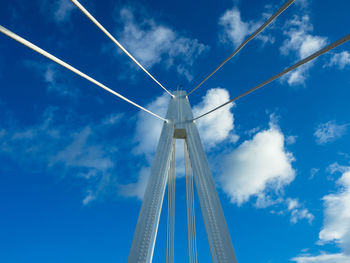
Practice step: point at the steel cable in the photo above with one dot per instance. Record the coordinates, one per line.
(76, 71)
(259, 30)
(300, 63)
(87, 13)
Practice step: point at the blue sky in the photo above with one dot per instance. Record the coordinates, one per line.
(74, 160)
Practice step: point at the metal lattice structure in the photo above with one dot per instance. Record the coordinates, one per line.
(180, 125)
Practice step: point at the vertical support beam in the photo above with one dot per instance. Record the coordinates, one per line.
(220, 243)
(191, 225)
(171, 208)
(147, 224)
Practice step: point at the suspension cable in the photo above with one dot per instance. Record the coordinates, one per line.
(259, 30)
(300, 63)
(76, 71)
(82, 8)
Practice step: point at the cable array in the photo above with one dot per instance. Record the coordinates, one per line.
(300, 63)
(87, 13)
(191, 221)
(259, 30)
(76, 71)
(171, 207)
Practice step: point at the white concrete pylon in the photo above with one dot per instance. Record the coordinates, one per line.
(180, 125)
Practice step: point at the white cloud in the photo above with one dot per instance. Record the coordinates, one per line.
(301, 43)
(336, 167)
(259, 167)
(81, 153)
(336, 224)
(329, 132)
(298, 30)
(235, 30)
(298, 76)
(297, 211)
(341, 60)
(323, 258)
(219, 125)
(291, 139)
(152, 43)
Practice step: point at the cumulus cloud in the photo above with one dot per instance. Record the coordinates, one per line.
(57, 147)
(300, 43)
(152, 43)
(259, 168)
(336, 224)
(340, 60)
(219, 125)
(235, 30)
(329, 132)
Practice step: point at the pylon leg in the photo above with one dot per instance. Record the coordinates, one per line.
(180, 125)
(147, 224)
(220, 243)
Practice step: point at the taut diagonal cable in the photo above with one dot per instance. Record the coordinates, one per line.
(259, 30)
(76, 71)
(300, 63)
(117, 43)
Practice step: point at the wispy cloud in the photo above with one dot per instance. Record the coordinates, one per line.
(61, 10)
(297, 211)
(291, 139)
(329, 132)
(340, 60)
(53, 78)
(234, 30)
(300, 43)
(322, 258)
(153, 43)
(57, 147)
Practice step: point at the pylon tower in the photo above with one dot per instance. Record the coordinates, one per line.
(180, 125)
